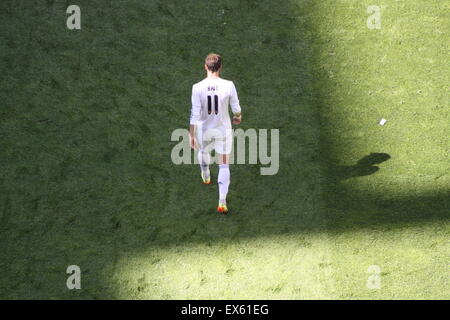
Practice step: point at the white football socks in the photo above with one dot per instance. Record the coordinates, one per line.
(224, 181)
(204, 160)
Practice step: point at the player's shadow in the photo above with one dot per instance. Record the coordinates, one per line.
(363, 167)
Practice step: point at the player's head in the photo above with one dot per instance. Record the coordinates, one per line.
(213, 62)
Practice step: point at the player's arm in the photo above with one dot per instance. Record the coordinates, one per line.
(235, 106)
(195, 117)
(192, 139)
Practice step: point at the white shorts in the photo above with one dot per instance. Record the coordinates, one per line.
(219, 139)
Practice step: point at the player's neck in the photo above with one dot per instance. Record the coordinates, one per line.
(212, 75)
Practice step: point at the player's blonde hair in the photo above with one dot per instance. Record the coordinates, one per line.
(213, 62)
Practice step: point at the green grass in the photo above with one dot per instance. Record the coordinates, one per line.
(86, 176)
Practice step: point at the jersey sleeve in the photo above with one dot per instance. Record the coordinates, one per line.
(196, 107)
(234, 100)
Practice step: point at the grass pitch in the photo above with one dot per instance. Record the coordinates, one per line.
(86, 177)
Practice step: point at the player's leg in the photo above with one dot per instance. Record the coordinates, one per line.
(204, 159)
(223, 148)
(203, 155)
(223, 180)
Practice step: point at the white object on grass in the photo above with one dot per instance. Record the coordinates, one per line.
(382, 121)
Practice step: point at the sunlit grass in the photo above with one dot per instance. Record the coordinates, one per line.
(395, 73)
(284, 267)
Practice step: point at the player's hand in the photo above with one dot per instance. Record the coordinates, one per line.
(237, 120)
(193, 142)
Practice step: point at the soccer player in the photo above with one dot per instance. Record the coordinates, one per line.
(210, 125)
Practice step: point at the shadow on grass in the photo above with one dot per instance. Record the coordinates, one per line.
(352, 210)
(363, 167)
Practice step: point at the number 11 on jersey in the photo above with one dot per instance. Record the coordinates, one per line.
(216, 104)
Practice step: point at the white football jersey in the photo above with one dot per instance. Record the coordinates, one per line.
(210, 101)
